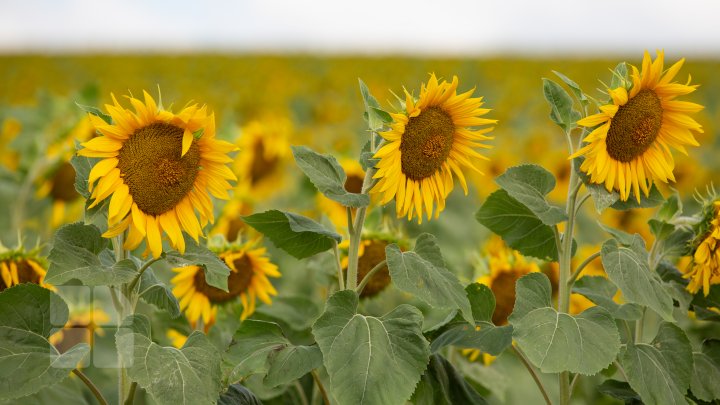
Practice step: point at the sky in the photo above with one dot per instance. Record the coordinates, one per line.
(422, 27)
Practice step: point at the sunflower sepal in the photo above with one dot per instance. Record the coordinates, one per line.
(594, 326)
(326, 174)
(296, 234)
(563, 112)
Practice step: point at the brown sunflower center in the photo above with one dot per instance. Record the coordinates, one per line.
(503, 286)
(26, 274)
(635, 126)
(374, 253)
(353, 184)
(151, 165)
(238, 282)
(63, 184)
(261, 165)
(426, 143)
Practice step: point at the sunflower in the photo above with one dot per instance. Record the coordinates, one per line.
(60, 189)
(630, 148)
(157, 168)
(82, 327)
(370, 253)
(704, 268)
(426, 145)
(249, 271)
(8, 132)
(18, 266)
(230, 223)
(336, 212)
(477, 355)
(177, 339)
(265, 153)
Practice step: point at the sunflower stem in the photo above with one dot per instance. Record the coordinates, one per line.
(368, 276)
(94, 389)
(581, 267)
(319, 384)
(336, 253)
(533, 373)
(356, 233)
(134, 282)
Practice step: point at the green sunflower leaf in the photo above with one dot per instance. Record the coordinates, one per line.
(216, 271)
(660, 372)
(706, 371)
(95, 111)
(328, 176)
(374, 115)
(654, 199)
(601, 291)
(298, 235)
(620, 390)
(370, 360)
(562, 113)
(291, 363)
(28, 361)
(82, 166)
(423, 273)
(577, 91)
(76, 254)
(157, 293)
(553, 341)
(250, 348)
(529, 184)
(190, 375)
(627, 267)
(237, 394)
(519, 227)
(483, 335)
(620, 76)
(442, 384)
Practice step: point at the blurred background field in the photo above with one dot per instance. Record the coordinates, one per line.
(313, 100)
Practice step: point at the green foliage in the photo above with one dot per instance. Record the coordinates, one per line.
(620, 390)
(297, 235)
(554, 341)
(562, 112)
(654, 199)
(706, 371)
(249, 350)
(660, 372)
(298, 312)
(423, 273)
(76, 255)
(236, 394)
(577, 91)
(482, 334)
(620, 76)
(374, 115)
(519, 227)
(627, 267)
(291, 363)
(82, 166)
(328, 176)
(28, 361)
(529, 184)
(601, 292)
(442, 384)
(157, 293)
(216, 271)
(95, 111)
(370, 360)
(190, 375)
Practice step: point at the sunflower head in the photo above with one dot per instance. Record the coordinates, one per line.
(426, 144)
(157, 169)
(704, 268)
(19, 266)
(505, 267)
(249, 271)
(630, 146)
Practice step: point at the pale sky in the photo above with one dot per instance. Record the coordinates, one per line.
(451, 27)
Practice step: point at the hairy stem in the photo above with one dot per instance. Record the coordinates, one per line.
(533, 373)
(356, 233)
(336, 253)
(95, 391)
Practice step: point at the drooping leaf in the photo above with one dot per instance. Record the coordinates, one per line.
(190, 375)
(577, 91)
(298, 235)
(422, 273)
(529, 184)
(157, 293)
(250, 348)
(553, 341)
(620, 390)
(328, 177)
(82, 166)
(28, 361)
(630, 271)
(601, 291)
(519, 227)
(237, 394)
(706, 371)
(442, 384)
(660, 371)
(291, 363)
(374, 115)
(365, 355)
(216, 271)
(562, 111)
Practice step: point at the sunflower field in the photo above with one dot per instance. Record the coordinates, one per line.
(211, 229)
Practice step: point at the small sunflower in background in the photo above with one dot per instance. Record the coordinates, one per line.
(18, 266)
(704, 268)
(8, 132)
(157, 168)
(371, 252)
(82, 327)
(230, 224)
(428, 143)
(336, 212)
(476, 355)
(264, 157)
(630, 148)
(250, 268)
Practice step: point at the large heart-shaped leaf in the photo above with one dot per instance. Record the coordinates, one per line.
(529, 184)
